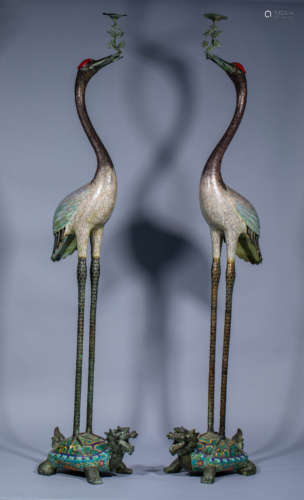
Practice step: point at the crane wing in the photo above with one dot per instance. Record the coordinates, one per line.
(66, 245)
(248, 245)
(249, 216)
(67, 208)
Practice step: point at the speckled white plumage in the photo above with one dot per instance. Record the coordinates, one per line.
(94, 210)
(218, 209)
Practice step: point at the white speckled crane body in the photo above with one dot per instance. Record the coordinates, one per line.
(218, 206)
(93, 204)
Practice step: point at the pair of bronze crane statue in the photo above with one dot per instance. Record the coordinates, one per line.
(80, 219)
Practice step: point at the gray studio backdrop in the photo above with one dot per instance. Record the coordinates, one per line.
(160, 112)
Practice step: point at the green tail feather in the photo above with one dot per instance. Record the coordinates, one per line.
(248, 250)
(65, 248)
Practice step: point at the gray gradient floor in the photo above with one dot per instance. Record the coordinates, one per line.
(159, 111)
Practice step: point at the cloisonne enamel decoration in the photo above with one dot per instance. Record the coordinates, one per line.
(78, 219)
(231, 219)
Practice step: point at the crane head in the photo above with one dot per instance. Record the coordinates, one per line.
(89, 67)
(239, 66)
(233, 69)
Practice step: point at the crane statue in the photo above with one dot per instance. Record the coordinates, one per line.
(78, 219)
(231, 219)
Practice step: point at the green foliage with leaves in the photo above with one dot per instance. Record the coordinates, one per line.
(115, 32)
(213, 32)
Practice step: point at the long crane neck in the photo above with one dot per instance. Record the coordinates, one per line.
(103, 157)
(214, 162)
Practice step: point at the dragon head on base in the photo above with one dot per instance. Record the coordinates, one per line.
(184, 441)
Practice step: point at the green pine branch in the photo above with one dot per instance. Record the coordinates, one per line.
(212, 33)
(115, 32)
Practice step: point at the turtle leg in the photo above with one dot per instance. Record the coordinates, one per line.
(249, 469)
(208, 474)
(123, 469)
(175, 466)
(46, 468)
(93, 476)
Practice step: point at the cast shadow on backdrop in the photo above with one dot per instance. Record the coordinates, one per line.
(157, 252)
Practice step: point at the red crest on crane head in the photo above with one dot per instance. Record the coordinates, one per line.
(83, 63)
(240, 66)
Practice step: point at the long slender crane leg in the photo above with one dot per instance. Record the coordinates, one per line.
(230, 277)
(82, 244)
(216, 239)
(96, 237)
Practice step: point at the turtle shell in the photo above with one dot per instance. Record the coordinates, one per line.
(78, 454)
(223, 453)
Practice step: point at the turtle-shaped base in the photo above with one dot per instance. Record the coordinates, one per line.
(89, 453)
(208, 454)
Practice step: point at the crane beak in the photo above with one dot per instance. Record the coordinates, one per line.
(104, 61)
(226, 66)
